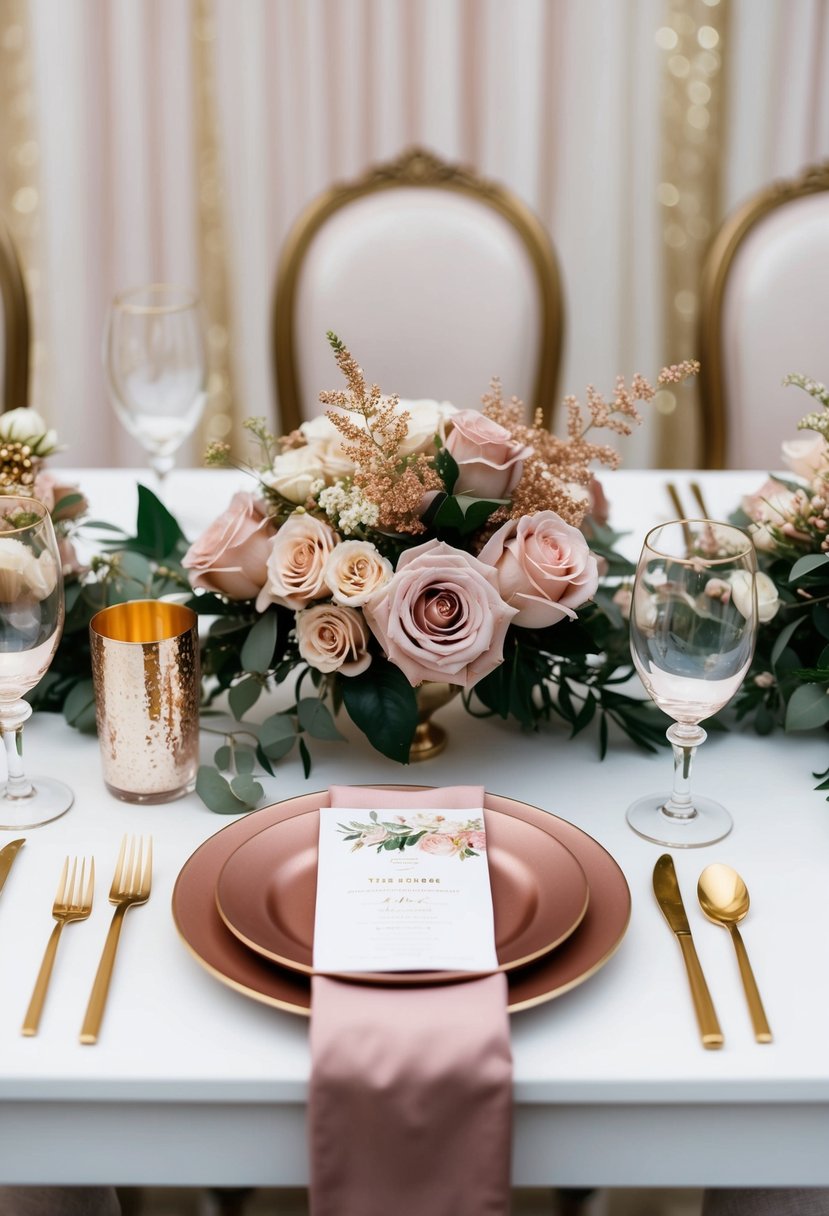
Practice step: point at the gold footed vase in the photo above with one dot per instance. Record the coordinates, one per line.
(430, 738)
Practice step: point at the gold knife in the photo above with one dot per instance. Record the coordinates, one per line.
(7, 856)
(666, 890)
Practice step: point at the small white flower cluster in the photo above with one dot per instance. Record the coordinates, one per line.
(348, 508)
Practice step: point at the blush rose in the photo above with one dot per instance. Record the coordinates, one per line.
(441, 617)
(545, 568)
(230, 557)
(296, 563)
(333, 638)
(355, 570)
(489, 460)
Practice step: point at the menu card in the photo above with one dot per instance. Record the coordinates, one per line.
(403, 892)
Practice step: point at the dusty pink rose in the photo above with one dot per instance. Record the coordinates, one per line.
(489, 459)
(296, 563)
(439, 845)
(545, 568)
(50, 490)
(441, 617)
(772, 506)
(475, 840)
(333, 638)
(230, 557)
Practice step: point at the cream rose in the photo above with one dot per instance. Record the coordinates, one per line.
(545, 568)
(807, 457)
(26, 426)
(441, 617)
(22, 575)
(426, 419)
(489, 460)
(768, 600)
(231, 556)
(355, 570)
(333, 638)
(296, 563)
(327, 440)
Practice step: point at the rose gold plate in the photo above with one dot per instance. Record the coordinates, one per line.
(267, 890)
(224, 956)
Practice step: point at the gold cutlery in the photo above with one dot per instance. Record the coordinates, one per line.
(723, 897)
(697, 495)
(130, 886)
(73, 901)
(696, 491)
(666, 890)
(7, 856)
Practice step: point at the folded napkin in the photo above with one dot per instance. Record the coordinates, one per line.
(410, 1108)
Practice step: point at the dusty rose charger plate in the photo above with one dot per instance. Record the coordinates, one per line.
(207, 937)
(266, 895)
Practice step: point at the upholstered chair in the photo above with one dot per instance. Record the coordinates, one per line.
(14, 326)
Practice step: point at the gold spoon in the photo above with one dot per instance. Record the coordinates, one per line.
(723, 897)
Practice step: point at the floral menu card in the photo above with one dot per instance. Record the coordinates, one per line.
(403, 892)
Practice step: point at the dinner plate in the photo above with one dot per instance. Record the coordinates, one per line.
(267, 889)
(212, 944)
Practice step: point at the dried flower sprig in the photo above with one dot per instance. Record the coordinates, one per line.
(372, 440)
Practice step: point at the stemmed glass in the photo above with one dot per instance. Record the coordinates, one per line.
(156, 363)
(31, 622)
(693, 625)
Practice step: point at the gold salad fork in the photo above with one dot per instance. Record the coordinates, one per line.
(130, 886)
(73, 901)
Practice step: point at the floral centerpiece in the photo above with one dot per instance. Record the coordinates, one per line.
(788, 519)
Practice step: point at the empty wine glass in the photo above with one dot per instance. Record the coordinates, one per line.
(156, 364)
(693, 625)
(31, 621)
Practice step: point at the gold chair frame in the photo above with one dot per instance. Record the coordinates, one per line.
(417, 167)
(15, 324)
(715, 273)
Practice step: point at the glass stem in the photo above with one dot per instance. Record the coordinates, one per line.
(12, 718)
(161, 466)
(684, 738)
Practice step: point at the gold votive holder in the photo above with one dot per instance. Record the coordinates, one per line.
(145, 668)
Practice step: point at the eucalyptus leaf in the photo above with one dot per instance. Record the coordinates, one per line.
(808, 707)
(79, 706)
(782, 640)
(316, 718)
(305, 756)
(243, 696)
(216, 794)
(807, 565)
(246, 788)
(257, 651)
(222, 757)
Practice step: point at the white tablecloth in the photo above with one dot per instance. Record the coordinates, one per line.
(192, 1083)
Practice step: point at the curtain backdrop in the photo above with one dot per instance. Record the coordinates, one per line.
(178, 139)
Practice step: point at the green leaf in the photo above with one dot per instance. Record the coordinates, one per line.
(258, 649)
(277, 735)
(782, 640)
(246, 788)
(63, 504)
(808, 707)
(157, 531)
(806, 565)
(306, 757)
(216, 793)
(244, 758)
(447, 469)
(79, 707)
(243, 696)
(315, 717)
(135, 566)
(222, 757)
(382, 704)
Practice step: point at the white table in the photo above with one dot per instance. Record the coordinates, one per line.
(192, 1083)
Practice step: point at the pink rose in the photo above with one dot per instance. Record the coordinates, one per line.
(439, 845)
(475, 840)
(230, 556)
(771, 507)
(807, 456)
(441, 617)
(489, 459)
(50, 490)
(333, 638)
(296, 563)
(545, 568)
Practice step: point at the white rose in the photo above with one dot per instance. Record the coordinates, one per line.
(327, 441)
(333, 638)
(26, 426)
(23, 574)
(355, 570)
(807, 457)
(426, 419)
(294, 472)
(768, 601)
(296, 562)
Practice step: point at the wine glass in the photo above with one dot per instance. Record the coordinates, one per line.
(154, 354)
(31, 622)
(693, 625)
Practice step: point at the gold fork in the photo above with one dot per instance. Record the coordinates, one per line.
(73, 901)
(130, 886)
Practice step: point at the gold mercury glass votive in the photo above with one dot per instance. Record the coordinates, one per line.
(145, 667)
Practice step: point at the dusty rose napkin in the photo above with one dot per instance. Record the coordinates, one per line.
(410, 1107)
